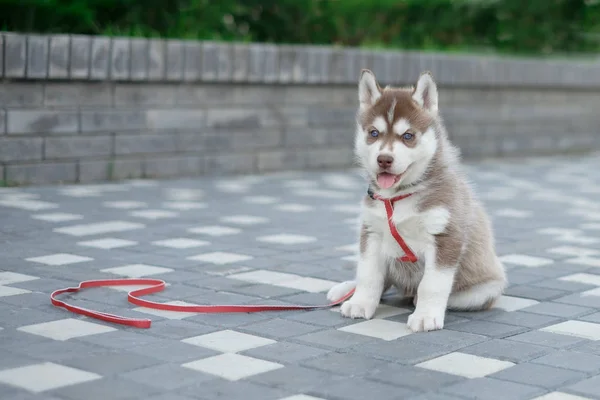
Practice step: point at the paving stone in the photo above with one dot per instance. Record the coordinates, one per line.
(347, 364)
(333, 339)
(538, 375)
(547, 339)
(114, 388)
(536, 293)
(506, 350)
(527, 320)
(305, 379)
(576, 361)
(488, 388)
(402, 351)
(588, 387)
(486, 328)
(358, 390)
(222, 389)
(558, 310)
(284, 352)
(111, 363)
(280, 328)
(415, 378)
(166, 377)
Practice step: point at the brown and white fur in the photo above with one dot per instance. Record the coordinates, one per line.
(443, 223)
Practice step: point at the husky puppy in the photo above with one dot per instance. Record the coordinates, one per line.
(445, 257)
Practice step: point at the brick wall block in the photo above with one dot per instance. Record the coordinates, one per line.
(81, 46)
(58, 60)
(42, 121)
(15, 55)
(42, 173)
(173, 166)
(77, 146)
(20, 149)
(145, 143)
(113, 120)
(139, 59)
(176, 119)
(37, 56)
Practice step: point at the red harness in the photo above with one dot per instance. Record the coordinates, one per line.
(389, 210)
(157, 285)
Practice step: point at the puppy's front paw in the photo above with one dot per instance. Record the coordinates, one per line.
(340, 290)
(358, 309)
(426, 320)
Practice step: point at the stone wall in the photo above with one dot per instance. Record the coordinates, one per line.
(82, 109)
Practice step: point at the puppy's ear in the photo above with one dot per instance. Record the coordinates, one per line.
(426, 94)
(368, 89)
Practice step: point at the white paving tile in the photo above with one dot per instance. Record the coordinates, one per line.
(379, 328)
(560, 396)
(228, 341)
(578, 239)
(8, 278)
(586, 330)
(347, 208)
(525, 260)
(591, 292)
(588, 279)
(184, 205)
(510, 303)
(467, 365)
(60, 259)
(220, 258)
(351, 258)
(57, 217)
(512, 213)
(137, 270)
(107, 243)
(166, 313)
(153, 214)
(588, 261)
(183, 194)
(302, 397)
(99, 228)
(125, 205)
(6, 291)
(295, 208)
(308, 284)
(28, 205)
(286, 238)
(351, 248)
(592, 226)
(573, 251)
(215, 230)
(232, 367)
(244, 220)
(65, 329)
(232, 187)
(300, 183)
(261, 199)
(45, 376)
(323, 194)
(558, 231)
(180, 243)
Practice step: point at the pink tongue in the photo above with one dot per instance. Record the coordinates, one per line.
(385, 181)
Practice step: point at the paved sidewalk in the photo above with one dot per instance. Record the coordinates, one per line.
(286, 239)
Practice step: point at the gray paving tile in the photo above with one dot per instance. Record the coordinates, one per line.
(277, 328)
(402, 351)
(538, 375)
(361, 389)
(166, 376)
(558, 310)
(113, 388)
(527, 320)
(304, 379)
(547, 339)
(588, 388)
(577, 361)
(347, 364)
(172, 351)
(419, 379)
(223, 389)
(507, 350)
(333, 339)
(110, 363)
(119, 339)
(285, 352)
(488, 389)
(487, 328)
(535, 293)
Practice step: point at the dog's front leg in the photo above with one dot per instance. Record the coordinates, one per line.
(371, 272)
(433, 292)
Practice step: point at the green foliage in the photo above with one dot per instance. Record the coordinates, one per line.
(514, 26)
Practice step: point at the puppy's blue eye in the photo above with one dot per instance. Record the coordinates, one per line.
(374, 133)
(408, 136)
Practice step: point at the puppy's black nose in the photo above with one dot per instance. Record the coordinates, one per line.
(385, 161)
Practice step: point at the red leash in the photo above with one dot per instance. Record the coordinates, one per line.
(389, 210)
(157, 285)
